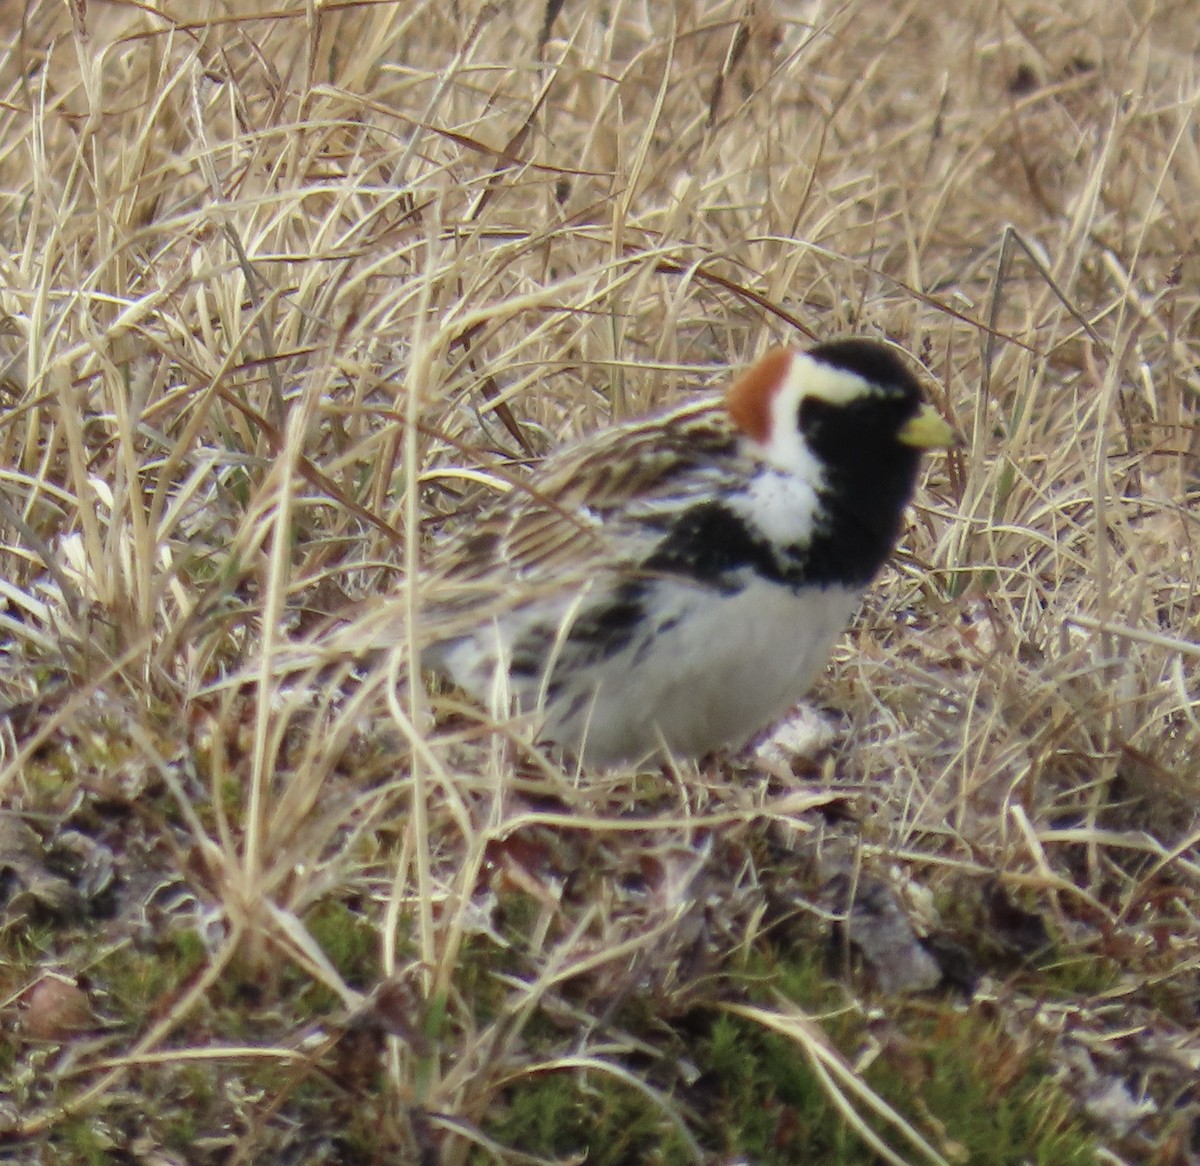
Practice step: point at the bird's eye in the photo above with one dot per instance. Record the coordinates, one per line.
(808, 416)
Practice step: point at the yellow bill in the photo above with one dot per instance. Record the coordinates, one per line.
(928, 430)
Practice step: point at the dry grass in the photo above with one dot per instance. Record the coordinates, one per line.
(279, 288)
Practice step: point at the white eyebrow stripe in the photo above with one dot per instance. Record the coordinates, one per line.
(836, 386)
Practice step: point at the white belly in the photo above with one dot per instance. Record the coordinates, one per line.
(730, 666)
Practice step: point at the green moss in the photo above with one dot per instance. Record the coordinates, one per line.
(972, 1092)
(564, 1114)
(482, 962)
(989, 1094)
(764, 1102)
(137, 979)
(189, 949)
(806, 981)
(26, 945)
(1086, 974)
(81, 1142)
(348, 938)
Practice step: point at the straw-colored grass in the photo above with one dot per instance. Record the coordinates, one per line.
(286, 291)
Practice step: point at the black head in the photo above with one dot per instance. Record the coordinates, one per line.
(864, 418)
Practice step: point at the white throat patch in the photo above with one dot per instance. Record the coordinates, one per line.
(782, 501)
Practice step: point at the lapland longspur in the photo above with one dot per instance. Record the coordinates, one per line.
(677, 582)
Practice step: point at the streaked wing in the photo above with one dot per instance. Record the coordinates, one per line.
(593, 504)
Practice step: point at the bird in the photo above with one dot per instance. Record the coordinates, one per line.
(671, 586)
